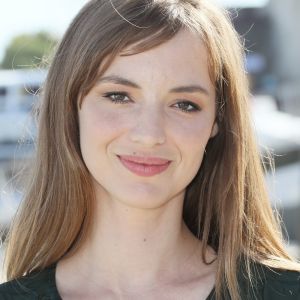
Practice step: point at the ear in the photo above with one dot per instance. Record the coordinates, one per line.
(214, 130)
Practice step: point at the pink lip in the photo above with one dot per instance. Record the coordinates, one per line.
(144, 166)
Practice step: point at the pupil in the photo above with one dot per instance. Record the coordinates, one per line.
(119, 97)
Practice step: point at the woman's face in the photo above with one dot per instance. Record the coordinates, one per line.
(158, 103)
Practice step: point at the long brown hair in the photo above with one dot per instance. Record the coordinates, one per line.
(226, 205)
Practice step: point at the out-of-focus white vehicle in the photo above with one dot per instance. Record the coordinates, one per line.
(17, 95)
(18, 89)
(275, 129)
(279, 132)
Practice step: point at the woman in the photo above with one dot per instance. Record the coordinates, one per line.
(147, 181)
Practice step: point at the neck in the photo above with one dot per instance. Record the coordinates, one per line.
(131, 248)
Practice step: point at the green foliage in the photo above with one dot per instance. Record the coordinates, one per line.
(28, 50)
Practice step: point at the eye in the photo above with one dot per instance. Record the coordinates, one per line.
(188, 107)
(117, 97)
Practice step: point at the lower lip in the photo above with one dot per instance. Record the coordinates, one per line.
(142, 169)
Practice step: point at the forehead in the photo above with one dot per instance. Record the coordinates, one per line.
(183, 58)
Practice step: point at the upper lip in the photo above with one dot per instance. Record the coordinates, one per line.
(149, 160)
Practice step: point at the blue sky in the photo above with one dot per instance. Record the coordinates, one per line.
(28, 16)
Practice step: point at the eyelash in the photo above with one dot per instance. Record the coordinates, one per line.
(110, 94)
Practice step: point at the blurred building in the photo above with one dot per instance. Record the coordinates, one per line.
(285, 24)
(272, 41)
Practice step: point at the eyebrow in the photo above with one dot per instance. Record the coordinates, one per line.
(180, 89)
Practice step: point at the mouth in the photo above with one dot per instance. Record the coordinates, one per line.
(144, 166)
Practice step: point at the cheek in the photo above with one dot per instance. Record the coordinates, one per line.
(99, 125)
(194, 134)
(97, 129)
(191, 140)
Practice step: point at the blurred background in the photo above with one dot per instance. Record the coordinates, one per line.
(30, 30)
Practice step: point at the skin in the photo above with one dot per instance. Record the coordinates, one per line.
(139, 245)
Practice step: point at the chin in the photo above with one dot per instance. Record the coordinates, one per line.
(141, 199)
(136, 194)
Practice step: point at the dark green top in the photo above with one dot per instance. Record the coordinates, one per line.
(270, 285)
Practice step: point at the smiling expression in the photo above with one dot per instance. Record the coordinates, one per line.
(159, 103)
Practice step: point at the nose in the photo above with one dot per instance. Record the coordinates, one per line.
(148, 129)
